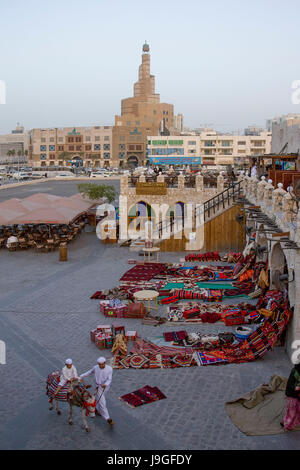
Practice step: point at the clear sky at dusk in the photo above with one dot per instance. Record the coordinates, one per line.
(224, 64)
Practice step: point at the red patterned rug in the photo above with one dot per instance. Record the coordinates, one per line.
(143, 396)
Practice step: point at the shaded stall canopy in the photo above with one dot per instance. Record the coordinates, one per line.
(43, 208)
(280, 168)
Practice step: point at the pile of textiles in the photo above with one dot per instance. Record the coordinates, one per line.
(144, 272)
(143, 396)
(241, 288)
(209, 256)
(190, 312)
(115, 293)
(232, 257)
(175, 335)
(195, 312)
(256, 345)
(246, 312)
(208, 295)
(204, 273)
(270, 300)
(205, 342)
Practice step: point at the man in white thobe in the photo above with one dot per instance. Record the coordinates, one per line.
(68, 374)
(103, 377)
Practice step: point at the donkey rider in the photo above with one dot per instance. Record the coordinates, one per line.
(68, 374)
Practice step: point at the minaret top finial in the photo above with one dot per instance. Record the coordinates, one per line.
(146, 47)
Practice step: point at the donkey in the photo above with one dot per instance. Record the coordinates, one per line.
(75, 394)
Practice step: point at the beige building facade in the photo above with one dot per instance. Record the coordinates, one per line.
(212, 148)
(17, 141)
(89, 146)
(286, 132)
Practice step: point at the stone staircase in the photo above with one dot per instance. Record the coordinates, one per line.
(210, 209)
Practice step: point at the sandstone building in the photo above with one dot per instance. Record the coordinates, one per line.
(141, 115)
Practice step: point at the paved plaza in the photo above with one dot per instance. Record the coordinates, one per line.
(46, 315)
(60, 188)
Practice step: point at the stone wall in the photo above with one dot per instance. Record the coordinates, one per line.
(280, 206)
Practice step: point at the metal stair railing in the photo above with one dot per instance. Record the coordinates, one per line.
(204, 212)
(223, 199)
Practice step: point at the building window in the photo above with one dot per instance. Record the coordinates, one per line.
(131, 147)
(122, 147)
(60, 139)
(97, 138)
(52, 148)
(97, 146)
(106, 155)
(43, 139)
(258, 143)
(70, 139)
(154, 111)
(87, 138)
(167, 151)
(43, 156)
(71, 147)
(43, 148)
(88, 147)
(122, 138)
(121, 154)
(128, 123)
(51, 139)
(209, 143)
(226, 143)
(191, 142)
(106, 137)
(242, 142)
(138, 147)
(160, 142)
(60, 147)
(106, 127)
(106, 147)
(78, 147)
(137, 123)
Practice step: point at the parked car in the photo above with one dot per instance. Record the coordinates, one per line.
(100, 174)
(21, 175)
(65, 175)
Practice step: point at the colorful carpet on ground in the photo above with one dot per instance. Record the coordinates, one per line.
(143, 396)
(145, 354)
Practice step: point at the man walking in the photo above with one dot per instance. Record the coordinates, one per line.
(103, 377)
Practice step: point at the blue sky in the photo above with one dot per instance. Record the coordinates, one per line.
(225, 64)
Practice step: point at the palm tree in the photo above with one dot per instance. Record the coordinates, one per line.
(94, 157)
(19, 154)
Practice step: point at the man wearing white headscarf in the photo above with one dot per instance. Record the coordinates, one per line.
(68, 374)
(103, 377)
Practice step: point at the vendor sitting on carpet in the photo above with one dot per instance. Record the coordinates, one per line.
(292, 417)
